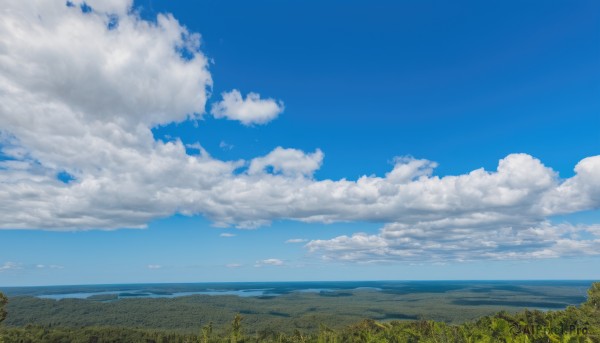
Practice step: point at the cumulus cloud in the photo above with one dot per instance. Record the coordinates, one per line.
(582, 191)
(269, 262)
(288, 162)
(227, 234)
(251, 110)
(79, 97)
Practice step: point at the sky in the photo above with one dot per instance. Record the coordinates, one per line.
(199, 141)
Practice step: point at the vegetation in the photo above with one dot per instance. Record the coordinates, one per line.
(448, 302)
(574, 324)
(3, 302)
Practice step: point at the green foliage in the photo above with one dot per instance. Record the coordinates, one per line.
(206, 333)
(236, 329)
(592, 305)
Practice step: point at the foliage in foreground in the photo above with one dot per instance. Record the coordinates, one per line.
(574, 324)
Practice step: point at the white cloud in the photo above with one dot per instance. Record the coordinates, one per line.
(48, 266)
(269, 262)
(79, 97)
(582, 191)
(69, 65)
(154, 266)
(426, 242)
(12, 266)
(227, 234)
(252, 110)
(233, 265)
(7, 266)
(288, 162)
(296, 240)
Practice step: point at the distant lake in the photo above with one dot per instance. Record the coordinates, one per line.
(142, 293)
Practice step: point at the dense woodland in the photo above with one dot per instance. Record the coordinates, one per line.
(289, 310)
(574, 324)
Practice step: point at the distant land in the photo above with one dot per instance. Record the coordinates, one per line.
(285, 305)
(574, 290)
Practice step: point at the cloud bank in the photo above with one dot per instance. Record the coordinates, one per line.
(81, 91)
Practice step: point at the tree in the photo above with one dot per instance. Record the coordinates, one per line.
(592, 305)
(236, 328)
(3, 302)
(207, 332)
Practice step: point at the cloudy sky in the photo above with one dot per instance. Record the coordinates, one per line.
(154, 141)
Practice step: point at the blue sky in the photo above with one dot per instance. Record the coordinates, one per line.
(350, 89)
(459, 85)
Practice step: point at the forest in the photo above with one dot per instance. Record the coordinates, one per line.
(573, 324)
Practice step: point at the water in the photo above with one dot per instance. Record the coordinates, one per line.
(142, 293)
